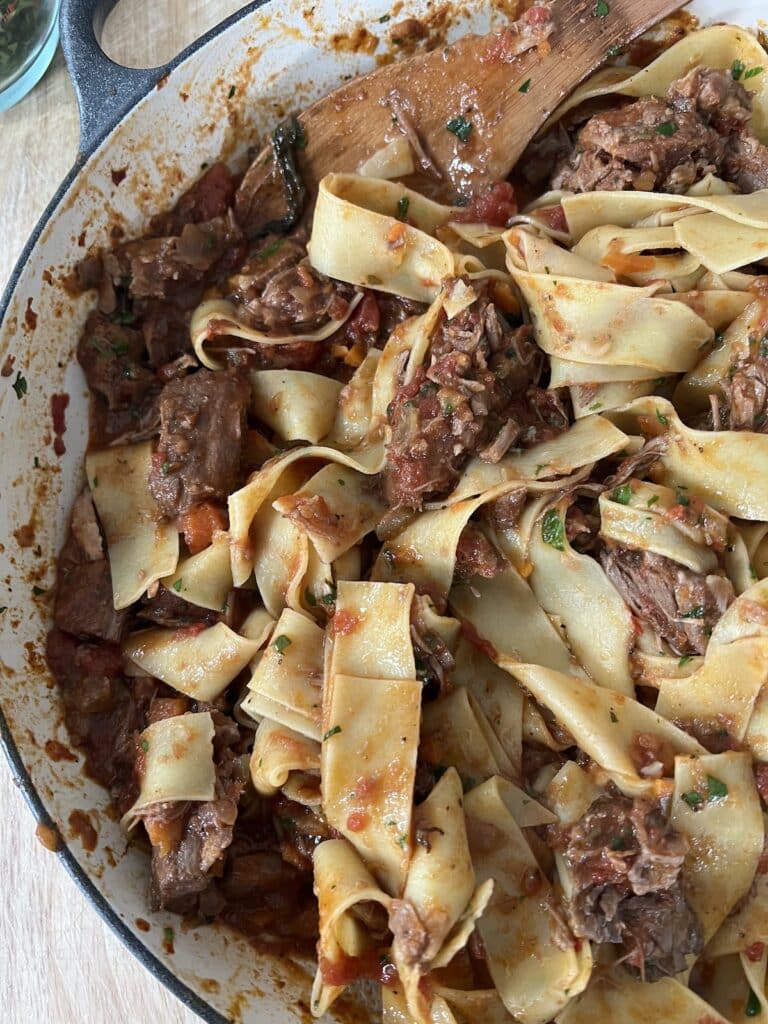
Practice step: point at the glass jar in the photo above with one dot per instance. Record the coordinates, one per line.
(29, 34)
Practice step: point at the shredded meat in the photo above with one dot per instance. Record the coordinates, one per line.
(669, 144)
(189, 839)
(83, 605)
(198, 456)
(433, 659)
(531, 30)
(745, 392)
(482, 380)
(170, 610)
(640, 463)
(682, 606)
(112, 358)
(104, 712)
(476, 555)
(628, 890)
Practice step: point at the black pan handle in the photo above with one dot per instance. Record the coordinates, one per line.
(105, 91)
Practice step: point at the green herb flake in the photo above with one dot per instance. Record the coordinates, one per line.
(37, 591)
(595, 406)
(652, 500)
(525, 86)
(694, 613)
(281, 643)
(177, 586)
(752, 73)
(447, 408)
(231, 93)
(460, 127)
(20, 386)
(310, 598)
(269, 250)
(145, 745)
(752, 1008)
(717, 789)
(684, 660)
(622, 495)
(683, 499)
(124, 317)
(168, 936)
(330, 597)
(737, 70)
(692, 798)
(602, 10)
(614, 51)
(402, 840)
(384, 19)
(553, 530)
(663, 420)
(3, 608)
(614, 717)
(165, 468)
(667, 128)
(402, 207)
(332, 732)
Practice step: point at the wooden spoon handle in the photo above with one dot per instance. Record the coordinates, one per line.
(504, 102)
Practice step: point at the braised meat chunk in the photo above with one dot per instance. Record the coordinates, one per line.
(189, 839)
(83, 604)
(112, 358)
(628, 890)
(669, 144)
(198, 456)
(681, 605)
(479, 394)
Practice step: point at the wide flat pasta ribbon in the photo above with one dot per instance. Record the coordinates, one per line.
(143, 547)
(534, 971)
(200, 664)
(177, 763)
(716, 807)
(723, 467)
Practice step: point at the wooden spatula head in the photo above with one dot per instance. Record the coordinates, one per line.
(494, 105)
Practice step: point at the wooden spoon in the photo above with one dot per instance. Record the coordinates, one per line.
(503, 102)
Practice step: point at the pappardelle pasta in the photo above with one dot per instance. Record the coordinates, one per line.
(416, 607)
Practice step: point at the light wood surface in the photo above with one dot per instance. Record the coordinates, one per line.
(58, 963)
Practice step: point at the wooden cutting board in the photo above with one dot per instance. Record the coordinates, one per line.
(59, 964)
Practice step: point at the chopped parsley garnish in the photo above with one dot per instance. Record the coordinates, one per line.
(614, 717)
(401, 841)
(737, 70)
(525, 86)
(145, 745)
(124, 317)
(37, 591)
(330, 597)
(402, 207)
(622, 495)
(168, 936)
(694, 613)
(231, 93)
(553, 530)
(692, 798)
(684, 660)
(3, 608)
(310, 598)
(460, 127)
(332, 732)
(177, 586)
(717, 789)
(281, 643)
(663, 420)
(667, 128)
(752, 73)
(652, 500)
(682, 499)
(20, 386)
(269, 250)
(595, 406)
(752, 1008)
(602, 10)
(165, 468)
(614, 51)
(384, 18)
